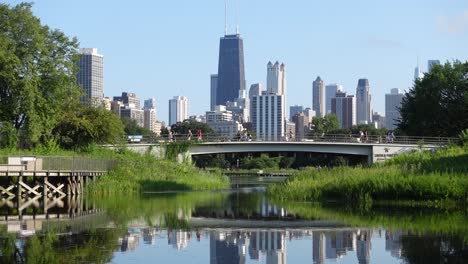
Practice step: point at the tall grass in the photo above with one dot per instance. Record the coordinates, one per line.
(136, 173)
(424, 176)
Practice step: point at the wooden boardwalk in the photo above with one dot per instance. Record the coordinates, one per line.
(44, 183)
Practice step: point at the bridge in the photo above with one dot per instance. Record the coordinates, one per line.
(373, 148)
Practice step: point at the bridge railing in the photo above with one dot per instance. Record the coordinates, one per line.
(337, 138)
(53, 163)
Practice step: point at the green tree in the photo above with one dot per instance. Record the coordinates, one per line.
(182, 128)
(82, 126)
(437, 105)
(37, 74)
(325, 124)
(132, 128)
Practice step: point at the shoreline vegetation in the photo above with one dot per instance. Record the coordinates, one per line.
(134, 173)
(433, 179)
(417, 220)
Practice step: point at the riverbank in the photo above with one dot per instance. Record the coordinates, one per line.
(135, 173)
(417, 220)
(422, 176)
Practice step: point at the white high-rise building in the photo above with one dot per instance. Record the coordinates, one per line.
(268, 118)
(178, 109)
(418, 73)
(150, 120)
(330, 92)
(91, 75)
(318, 100)
(392, 104)
(276, 82)
(276, 78)
(363, 102)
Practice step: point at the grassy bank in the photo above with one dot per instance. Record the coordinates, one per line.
(136, 173)
(429, 177)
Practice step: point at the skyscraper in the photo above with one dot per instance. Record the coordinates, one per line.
(213, 90)
(129, 100)
(363, 102)
(417, 73)
(293, 110)
(318, 101)
(392, 104)
(344, 107)
(231, 76)
(150, 104)
(431, 63)
(276, 82)
(276, 78)
(267, 116)
(330, 92)
(178, 109)
(255, 89)
(91, 75)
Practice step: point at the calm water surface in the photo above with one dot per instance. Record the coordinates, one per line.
(228, 227)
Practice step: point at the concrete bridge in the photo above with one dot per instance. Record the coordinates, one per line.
(373, 149)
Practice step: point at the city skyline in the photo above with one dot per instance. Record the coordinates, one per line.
(352, 50)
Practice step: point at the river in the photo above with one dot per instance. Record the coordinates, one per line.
(239, 226)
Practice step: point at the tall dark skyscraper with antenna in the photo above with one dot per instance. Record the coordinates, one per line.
(231, 75)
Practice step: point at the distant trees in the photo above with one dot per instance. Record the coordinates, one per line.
(182, 128)
(132, 128)
(437, 105)
(325, 124)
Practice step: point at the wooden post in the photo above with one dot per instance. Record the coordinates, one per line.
(20, 196)
(44, 194)
(69, 186)
(81, 184)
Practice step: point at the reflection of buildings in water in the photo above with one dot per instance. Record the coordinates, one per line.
(331, 245)
(363, 246)
(318, 247)
(178, 239)
(269, 210)
(393, 243)
(273, 243)
(227, 247)
(129, 242)
(149, 235)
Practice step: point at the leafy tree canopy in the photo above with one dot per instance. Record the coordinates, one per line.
(37, 74)
(437, 105)
(132, 128)
(325, 124)
(182, 128)
(86, 125)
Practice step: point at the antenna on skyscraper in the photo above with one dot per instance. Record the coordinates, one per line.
(225, 18)
(237, 18)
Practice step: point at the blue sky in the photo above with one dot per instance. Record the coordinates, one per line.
(165, 48)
